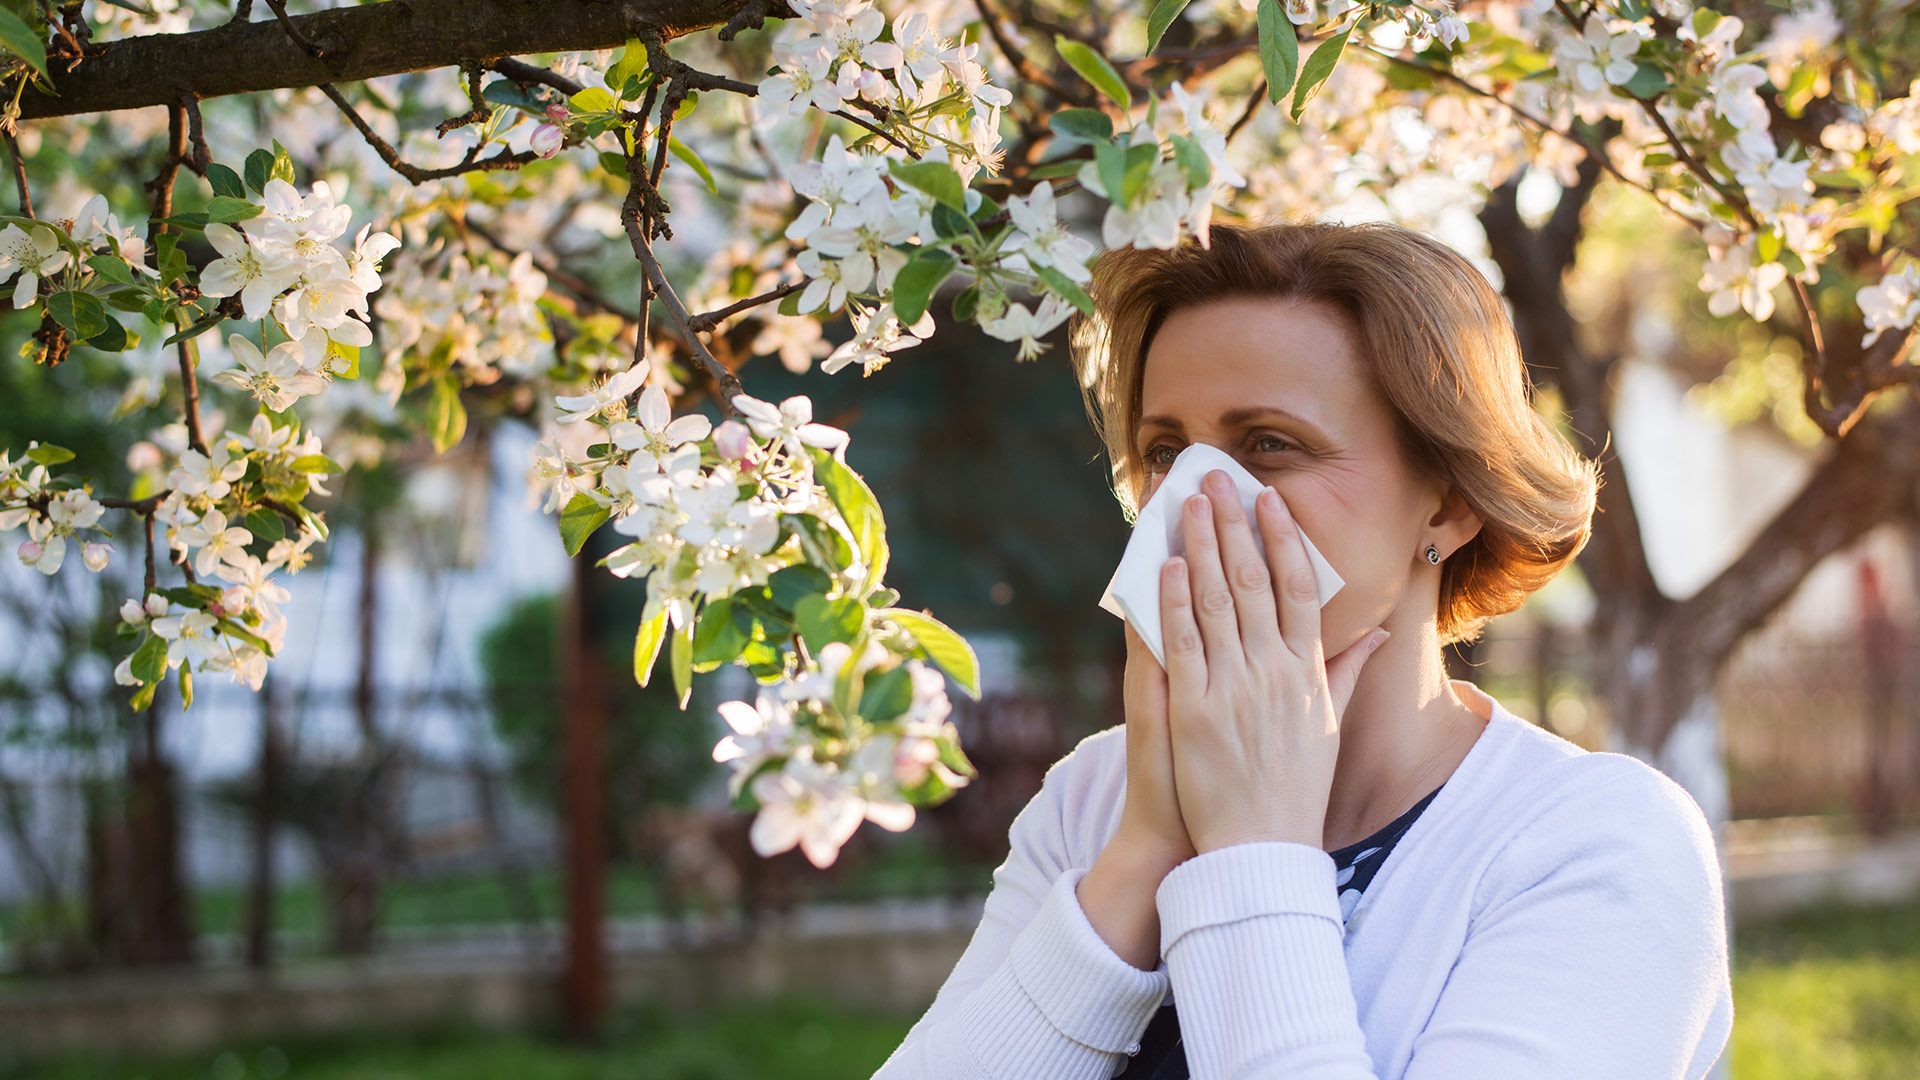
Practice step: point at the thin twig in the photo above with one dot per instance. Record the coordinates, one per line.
(480, 112)
(1253, 102)
(631, 213)
(20, 176)
(280, 12)
(523, 73)
(1596, 153)
(704, 322)
(471, 162)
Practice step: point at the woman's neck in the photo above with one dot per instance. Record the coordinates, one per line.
(1404, 732)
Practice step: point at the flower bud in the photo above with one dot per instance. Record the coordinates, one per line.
(95, 556)
(732, 440)
(142, 456)
(546, 140)
(30, 551)
(557, 113)
(123, 672)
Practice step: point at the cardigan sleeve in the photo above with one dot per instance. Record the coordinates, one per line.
(1596, 950)
(1037, 991)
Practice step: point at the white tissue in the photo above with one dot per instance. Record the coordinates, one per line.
(1134, 592)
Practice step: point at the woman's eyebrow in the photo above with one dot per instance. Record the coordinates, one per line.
(1232, 418)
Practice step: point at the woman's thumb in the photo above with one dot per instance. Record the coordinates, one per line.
(1343, 671)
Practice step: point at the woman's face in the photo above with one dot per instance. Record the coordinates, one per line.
(1280, 385)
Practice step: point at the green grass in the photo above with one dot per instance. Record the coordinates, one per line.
(1830, 993)
(788, 1039)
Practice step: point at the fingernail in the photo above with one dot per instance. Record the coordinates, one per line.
(1379, 638)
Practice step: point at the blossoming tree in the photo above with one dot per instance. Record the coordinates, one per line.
(896, 165)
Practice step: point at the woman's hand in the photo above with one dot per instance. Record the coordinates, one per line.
(1253, 706)
(1150, 819)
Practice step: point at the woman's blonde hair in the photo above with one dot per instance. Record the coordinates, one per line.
(1439, 349)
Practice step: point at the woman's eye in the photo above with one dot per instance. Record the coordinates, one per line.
(1259, 444)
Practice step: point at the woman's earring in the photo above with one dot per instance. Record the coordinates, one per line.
(1433, 555)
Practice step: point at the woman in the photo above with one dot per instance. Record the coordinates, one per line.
(1338, 862)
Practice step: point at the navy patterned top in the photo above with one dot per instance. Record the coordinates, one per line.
(1161, 1056)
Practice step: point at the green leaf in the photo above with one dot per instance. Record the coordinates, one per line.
(859, 508)
(1648, 81)
(111, 268)
(1163, 15)
(789, 585)
(1140, 162)
(114, 338)
(81, 313)
(1095, 69)
(282, 163)
(693, 161)
(196, 329)
(265, 525)
(186, 687)
(225, 181)
(258, 169)
(824, 545)
(681, 661)
(578, 519)
(936, 178)
(822, 622)
(718, 639)
(1194, 159)
(966, 304)
(952, 758)
(914, 285)
(150, 659)
(1279, 49)
(790, 304)
(886, 694)
(631, 65)
(49, 455)
(227, 208)
(593, 99)
(143, 697)
(686, 106)
(1054, 170)
(944, 647)
(505, 92)
(24, 41)
(1082, 125)
(1318, 67)
(646, 646)
(1062, 284)
(1111, 161)
(446, 417)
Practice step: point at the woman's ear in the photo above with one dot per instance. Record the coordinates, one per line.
(1454, 525)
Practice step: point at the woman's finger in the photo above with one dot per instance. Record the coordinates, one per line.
(1208, 595)
(1180, 641)
(1296, 587)
(1247, 576)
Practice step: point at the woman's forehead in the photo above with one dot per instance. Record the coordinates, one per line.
(1209, 362)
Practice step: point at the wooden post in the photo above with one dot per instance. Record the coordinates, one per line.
(265, 815)
(584, 996)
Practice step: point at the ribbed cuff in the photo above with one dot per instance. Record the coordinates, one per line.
(1267, 877)
(1076, 980)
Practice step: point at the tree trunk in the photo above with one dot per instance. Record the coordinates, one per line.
(138, 905)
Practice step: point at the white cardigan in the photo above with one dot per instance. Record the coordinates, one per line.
(1553, 914)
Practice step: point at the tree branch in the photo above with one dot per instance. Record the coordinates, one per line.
(363, 42)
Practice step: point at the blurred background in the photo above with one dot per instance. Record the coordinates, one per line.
(364, 869)
(361, 870)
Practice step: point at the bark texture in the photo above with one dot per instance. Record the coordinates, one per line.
(355, 43)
